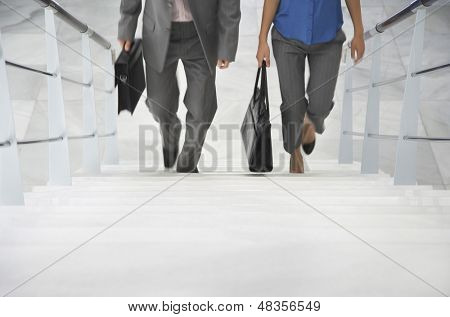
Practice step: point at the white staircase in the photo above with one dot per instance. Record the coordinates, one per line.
(330, 232)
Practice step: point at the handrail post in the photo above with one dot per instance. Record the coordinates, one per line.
(405, 165)
(346, 140)
(370, 154)
(111, 154)
(59, 164)
(91, 162)
(11, 192)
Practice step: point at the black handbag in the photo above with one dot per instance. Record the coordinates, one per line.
(130, 77)
(256, 128)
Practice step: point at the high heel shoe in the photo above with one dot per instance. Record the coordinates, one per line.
(308, 148)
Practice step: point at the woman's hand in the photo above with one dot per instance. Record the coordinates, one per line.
(263, 53)
(358, 47)
(269, 11)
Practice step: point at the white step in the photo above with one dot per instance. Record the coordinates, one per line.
(64, 210)
(89, 223)
(325, 168)
(86, 218)
(177, 199)
(124, 191)
(311, 166)
(308, 188)
(33, 210)
(223, 177)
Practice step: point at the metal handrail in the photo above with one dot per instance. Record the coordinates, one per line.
(92, 135)
(353, 133)
(60, 138)
(107, 135)
(106, 91)
(5, 144)
(393, 80)
(383, 136)
(86, 85)
(74, 22)
(395, 137)
(82, 137)
(31, 69)
(389, 81)
(358, 88)
(36, 141)
(398, 17)
(63, 78)
(426, 139)
(76, 82)
(431, 70)
(405, 167)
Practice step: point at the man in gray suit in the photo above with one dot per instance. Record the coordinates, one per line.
(200, 33)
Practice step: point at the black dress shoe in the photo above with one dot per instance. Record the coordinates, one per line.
(187, 170)
(170, 157)
(188, 160)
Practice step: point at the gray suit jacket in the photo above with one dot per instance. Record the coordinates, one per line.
(217, 23)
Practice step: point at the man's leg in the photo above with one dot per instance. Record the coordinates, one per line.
(324, 61)
(163, 98)
(200, 100)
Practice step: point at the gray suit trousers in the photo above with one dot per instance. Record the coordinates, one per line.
(324, 61)
(200, 99)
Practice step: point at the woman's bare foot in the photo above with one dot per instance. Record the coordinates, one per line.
(296, 165)
(309, 133)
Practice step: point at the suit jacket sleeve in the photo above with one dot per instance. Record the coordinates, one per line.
(229, 16)
(129, 15)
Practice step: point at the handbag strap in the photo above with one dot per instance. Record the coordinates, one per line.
(262, 74)
(264, 85)
(258, 75)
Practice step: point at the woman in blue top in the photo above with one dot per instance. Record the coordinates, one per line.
(307, 29)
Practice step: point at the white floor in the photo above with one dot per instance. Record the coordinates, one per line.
(331, 232)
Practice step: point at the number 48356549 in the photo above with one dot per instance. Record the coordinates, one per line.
(289, 306)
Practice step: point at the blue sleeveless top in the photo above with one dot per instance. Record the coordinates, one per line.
(309, 21)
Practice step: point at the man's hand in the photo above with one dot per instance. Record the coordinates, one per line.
(358, 47)
(126, 45)
(263, 53)
(223, 64)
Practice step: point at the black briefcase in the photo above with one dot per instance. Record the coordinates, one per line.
(256, 128)
(130, 77)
